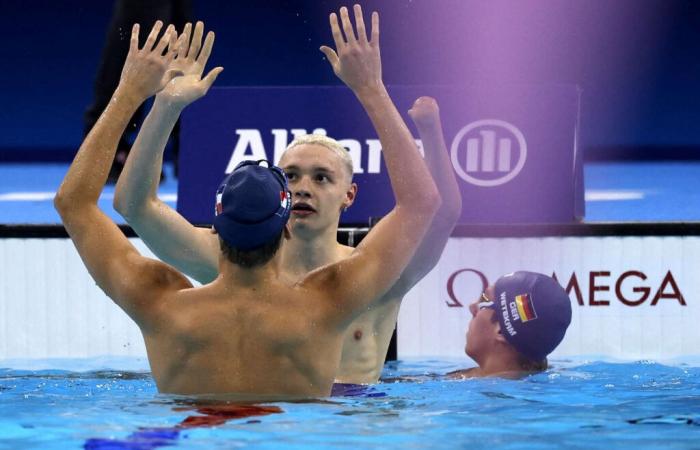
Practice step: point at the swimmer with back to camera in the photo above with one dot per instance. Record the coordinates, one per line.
(232, 337)
(320, 178)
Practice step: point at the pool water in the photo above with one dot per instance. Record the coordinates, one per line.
(576, 404)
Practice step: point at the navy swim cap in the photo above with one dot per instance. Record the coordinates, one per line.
(534, 312)
(252, 205)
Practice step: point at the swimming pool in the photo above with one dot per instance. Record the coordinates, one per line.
(576, 404)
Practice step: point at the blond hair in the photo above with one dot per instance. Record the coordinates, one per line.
(327, 142)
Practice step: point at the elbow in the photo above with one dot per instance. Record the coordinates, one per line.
(61, 201)
(120, 204)
(127, 208)
(430, 201)
(452, 209)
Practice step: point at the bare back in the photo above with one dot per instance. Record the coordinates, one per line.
(363, 277)
(366, 340)
(269, 340)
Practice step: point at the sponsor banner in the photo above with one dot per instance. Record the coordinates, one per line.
(513, 148)
(632, 297)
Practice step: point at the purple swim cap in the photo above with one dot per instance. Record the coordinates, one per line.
(534, 312)
(252, 205)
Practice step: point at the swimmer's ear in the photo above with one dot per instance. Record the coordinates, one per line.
(350, 195)
(500, 338)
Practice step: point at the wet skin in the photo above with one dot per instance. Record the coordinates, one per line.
(321, 188)
(481, 326)
(319, 191)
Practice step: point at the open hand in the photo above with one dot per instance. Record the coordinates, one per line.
(190, 62)
(146, 70)
(356, 60)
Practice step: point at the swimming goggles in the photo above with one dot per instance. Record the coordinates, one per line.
(484, 302)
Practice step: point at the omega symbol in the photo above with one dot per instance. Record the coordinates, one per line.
(483, 152)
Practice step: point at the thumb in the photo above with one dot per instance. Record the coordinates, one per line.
(211, 77)
(330, 55)
(170, 74)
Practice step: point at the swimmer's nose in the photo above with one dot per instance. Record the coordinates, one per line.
(473, 309)
(301, 187)
(302, 193)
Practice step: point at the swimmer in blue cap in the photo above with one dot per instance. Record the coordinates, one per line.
(320, 174)
(251, 211)
(515, 324)
(254, 333)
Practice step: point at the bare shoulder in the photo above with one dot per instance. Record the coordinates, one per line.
(323, 282)
(144, 298)
(329, 273)
(161, 275)
(345, 250)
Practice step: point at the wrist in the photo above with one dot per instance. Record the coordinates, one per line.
(167, 104)
(428, 127)
(127, 95)
(370, 92)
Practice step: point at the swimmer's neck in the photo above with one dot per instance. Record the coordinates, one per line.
(305, 252)
(478, 372)
(498, 364)
(235, 275)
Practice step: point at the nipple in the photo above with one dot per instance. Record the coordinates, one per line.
(358, 335)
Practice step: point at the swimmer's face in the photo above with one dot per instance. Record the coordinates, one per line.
(320, 186)
(482, 329)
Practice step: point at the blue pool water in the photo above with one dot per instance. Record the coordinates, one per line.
(576, 404)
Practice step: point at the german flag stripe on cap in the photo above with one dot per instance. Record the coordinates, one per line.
(525, 309)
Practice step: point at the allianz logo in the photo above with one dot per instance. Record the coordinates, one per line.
(366, 156)
(488, 152)
(485, 153)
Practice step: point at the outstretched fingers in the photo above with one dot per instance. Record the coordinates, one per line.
(206, 50)
(375, 28)
(196, 41)
(134, 44)
(360, 23)
(152, 36)
(211, 77)
(173, 47)
(180, 46)
(167, 39)
(184, 45)
(347, 25)
(335, 30)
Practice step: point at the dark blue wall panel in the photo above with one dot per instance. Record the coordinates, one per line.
(636, 60)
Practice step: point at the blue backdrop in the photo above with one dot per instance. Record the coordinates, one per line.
(636, 60)
(512, 147)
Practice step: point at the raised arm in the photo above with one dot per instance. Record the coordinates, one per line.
(426, 115)
(132, 281)
(378, 261)
(169, 235)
